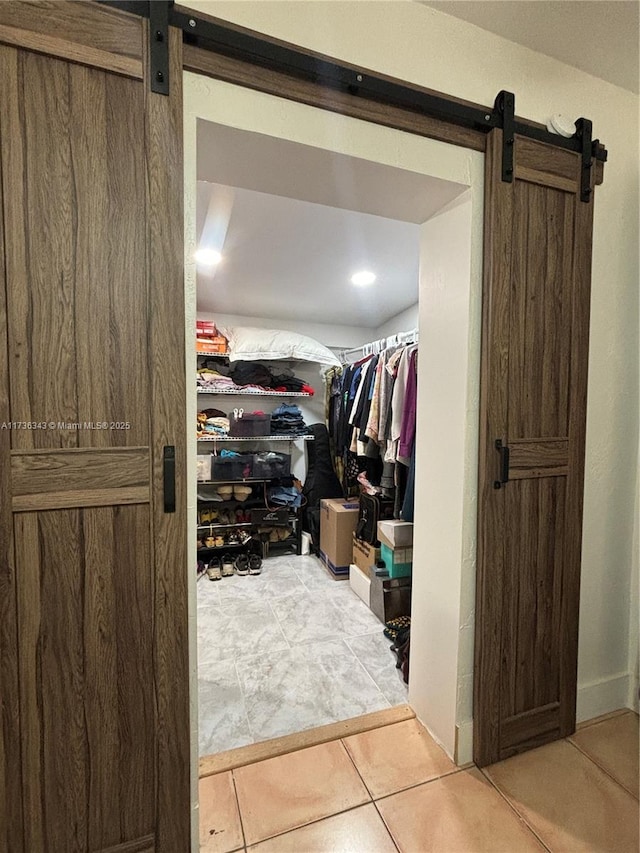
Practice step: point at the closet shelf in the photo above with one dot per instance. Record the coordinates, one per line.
(220, 547)
(256, 438)
(244, 392)
(232, 524)
(238, 481)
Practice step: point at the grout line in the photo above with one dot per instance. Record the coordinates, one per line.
(357, 769)
(514, 809)
(419, 784)
(244, 704)
(310, 823)
(235, 791)
(279, 624)
(600, 767)
(387, 827)
(364, 669)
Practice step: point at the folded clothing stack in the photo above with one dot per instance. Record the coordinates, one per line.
(284, 496)
(287, 420)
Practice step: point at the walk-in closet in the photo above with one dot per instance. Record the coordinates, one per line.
(307, 339)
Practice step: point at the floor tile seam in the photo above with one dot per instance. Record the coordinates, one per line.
(413, 785)
(244, 702)
(235, 791)
(364, 669)
(346, 640)
(309, 823)
(604, 769)
(387, 827)
(279, 624)
(514, 809)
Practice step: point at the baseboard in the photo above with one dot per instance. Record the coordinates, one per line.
(601, 697)
(464, 744)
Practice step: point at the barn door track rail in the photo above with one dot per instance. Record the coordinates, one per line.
(224, 39)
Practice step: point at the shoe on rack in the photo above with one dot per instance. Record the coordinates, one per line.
(225, 492)
(255, 564)
(213, 569)
(242, 564)
(233, 538)
(241, 493)
(244, 537)
(228, 568)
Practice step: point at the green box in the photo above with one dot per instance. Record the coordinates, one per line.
(397, 560)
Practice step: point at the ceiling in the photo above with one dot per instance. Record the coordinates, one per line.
(600, 37)
(294, 222)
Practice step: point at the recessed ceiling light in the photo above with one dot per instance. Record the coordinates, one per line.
(208, 257)
(363, 278)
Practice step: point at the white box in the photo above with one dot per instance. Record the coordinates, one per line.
(204, 469)
(396, 533)
(360, 584)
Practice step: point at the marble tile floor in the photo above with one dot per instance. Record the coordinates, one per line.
(284, 651)
(393, 790)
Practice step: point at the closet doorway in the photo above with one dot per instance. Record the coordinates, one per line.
(233, 164)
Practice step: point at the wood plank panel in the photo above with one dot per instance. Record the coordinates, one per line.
(538, 458)
(113, 385)
(60, 682)
(81, 498)
(138, 721)
(84, 668)
(236, 71)
(38, 175)
(548, 160)
(100, 642)
(521, 726)
(579, 353)
(97, 28)
(490, 576)
(77, 469)
(69, 50)
(536, 176)
(140, 845)
(540, 317)
(169, 427)
(28, 557)
(10, 740)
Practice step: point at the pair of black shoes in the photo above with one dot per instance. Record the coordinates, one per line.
(248, 564)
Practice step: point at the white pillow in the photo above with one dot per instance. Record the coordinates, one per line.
(247, 343)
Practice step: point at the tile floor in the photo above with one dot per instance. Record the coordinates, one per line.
(393, 789)
(284, 651)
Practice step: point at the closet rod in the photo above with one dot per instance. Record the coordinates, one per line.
(375, 347)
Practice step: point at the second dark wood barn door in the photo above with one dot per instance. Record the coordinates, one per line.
(533, 411)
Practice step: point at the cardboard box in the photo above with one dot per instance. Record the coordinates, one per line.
(396, 533)
(360, 583)
(211, 346)
(339, 573)
(397, 560)
(364, 555)
(338, 519)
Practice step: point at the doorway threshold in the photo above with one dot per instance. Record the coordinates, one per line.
(233, 758)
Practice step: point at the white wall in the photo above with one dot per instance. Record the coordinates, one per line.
(416, 43)
(405, 321)
(447, 459)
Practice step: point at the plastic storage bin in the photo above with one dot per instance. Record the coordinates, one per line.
(269, 464)
(232, 467)
(250, 424)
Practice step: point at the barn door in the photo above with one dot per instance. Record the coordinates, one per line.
(532, 435)
(94, 748)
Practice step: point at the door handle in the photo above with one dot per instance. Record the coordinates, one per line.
(169, 478)
(503, 450)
